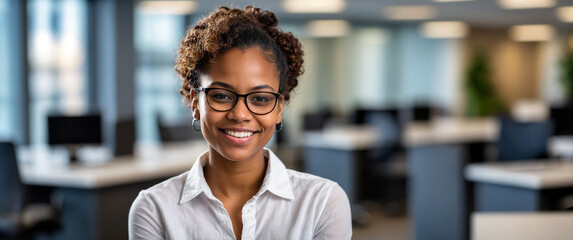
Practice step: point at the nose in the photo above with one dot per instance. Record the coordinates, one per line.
(240, 112)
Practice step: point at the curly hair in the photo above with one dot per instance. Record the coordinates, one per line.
(227, 28)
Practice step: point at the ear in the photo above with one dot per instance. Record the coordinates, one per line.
(280, 111)
(195, 104)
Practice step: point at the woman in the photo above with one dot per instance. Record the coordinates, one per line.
(237, 70)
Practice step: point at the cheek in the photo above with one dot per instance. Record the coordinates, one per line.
(202, 107)
(269, 123)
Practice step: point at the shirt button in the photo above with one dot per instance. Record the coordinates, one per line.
(251, 210)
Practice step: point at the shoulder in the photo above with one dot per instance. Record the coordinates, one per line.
(327, 200)
(146, 213)
(168, 191)
(308, 183)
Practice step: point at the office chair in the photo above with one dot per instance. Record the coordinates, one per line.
(384, 169)
(124, 137)
(316, 120)
(562, 117)
(17, 219)
(177, 132)
(522, 140)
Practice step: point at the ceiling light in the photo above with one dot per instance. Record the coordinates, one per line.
(327, 28)
(314, 6)
(452, 0)
(412, 12)
(520, 4)
(444, 29)
(531, 33)
(565, 14)
(167, 7)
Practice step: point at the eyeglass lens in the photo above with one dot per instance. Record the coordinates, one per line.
(257, 102)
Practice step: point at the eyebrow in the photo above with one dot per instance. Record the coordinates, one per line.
(259, 87)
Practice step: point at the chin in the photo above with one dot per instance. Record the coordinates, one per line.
(238, 153)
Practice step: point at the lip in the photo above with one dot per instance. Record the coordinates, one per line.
(236, 140)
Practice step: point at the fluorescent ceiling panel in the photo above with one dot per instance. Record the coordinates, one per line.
(565, 14)
(327, 28)
(409, 12)
(168, 7)
(444, 29)
(521, 4)
(531, 33)
(452, 0)
(314, 6)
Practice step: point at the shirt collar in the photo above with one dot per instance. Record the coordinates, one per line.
(195, 182)
(277, 180)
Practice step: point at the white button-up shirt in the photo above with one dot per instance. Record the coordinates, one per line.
(289, 205)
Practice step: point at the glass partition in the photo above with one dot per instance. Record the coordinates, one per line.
(57, 48)
(5, 84)
(157, 39)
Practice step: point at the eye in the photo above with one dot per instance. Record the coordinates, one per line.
(221, 96)
(262, 98)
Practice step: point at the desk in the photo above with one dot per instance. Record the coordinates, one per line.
(522, 226)
(335, 154)
(437, 192)
(96, 199)
(520, 186)
(561, 147)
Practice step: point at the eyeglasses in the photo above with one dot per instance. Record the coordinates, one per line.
(222, 100)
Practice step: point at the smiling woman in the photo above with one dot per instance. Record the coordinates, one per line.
(237, 70)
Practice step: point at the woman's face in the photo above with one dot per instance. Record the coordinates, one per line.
(238, 134)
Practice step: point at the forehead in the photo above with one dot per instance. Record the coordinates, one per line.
(243, 69)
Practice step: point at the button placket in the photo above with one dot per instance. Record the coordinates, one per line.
(249, 220)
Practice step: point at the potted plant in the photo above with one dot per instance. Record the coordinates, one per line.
(482, 99)
(567, 77)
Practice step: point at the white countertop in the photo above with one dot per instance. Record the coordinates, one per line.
(522, 226)
(525, 174)
(451, 130)
(152, 162)
(561, 146)
(344, 138)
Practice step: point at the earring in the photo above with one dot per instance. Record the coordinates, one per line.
(196, 125)
(279, 126)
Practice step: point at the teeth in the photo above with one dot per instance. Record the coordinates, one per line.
(238, 134)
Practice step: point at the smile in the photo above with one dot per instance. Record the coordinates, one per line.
(238, 134)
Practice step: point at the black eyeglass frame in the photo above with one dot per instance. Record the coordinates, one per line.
(237, 96)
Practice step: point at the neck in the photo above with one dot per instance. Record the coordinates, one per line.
(228, 178)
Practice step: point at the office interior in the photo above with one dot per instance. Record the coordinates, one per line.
(451, 119)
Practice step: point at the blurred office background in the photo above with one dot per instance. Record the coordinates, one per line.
(384, 64)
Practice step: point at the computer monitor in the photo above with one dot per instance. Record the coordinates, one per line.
(563, 119)
(314, 121)
(74, 131)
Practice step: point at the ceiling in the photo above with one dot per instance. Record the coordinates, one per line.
(477, 13)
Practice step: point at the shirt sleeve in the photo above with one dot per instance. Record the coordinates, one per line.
(335, 221)
(144, 222)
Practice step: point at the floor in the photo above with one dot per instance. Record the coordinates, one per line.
(381, 226)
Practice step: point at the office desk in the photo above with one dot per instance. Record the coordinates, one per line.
(520, 186)
(561, 147)
(437, 191)
(96, 199)
(522, 226)
(336, 154)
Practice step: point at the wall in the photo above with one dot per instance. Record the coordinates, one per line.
(375, 67)
(516, 67)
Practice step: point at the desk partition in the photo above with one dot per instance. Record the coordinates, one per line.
(96, 199)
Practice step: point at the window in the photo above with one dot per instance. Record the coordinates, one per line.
(157, 38)
(57, 59)
(5, 84)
